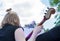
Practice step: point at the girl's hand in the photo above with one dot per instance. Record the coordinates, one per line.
(37, 29)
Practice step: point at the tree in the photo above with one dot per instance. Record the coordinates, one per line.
(56, 3)
(57, 22)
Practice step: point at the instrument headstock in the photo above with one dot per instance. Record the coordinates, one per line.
(49, 12)
(47, 15)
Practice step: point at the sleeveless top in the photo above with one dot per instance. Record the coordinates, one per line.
(7, 32)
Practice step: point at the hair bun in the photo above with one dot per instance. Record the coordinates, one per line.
(9, 9)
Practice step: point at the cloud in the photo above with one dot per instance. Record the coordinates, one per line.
(28, 10)
(1, 4)
(23, 9)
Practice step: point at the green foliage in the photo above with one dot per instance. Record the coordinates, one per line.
(46, 30)
(56, 16)
(57, 24)
(57, 20)
(55, 3)
(58, 8)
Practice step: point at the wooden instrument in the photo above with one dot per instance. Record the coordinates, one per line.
(50, 11)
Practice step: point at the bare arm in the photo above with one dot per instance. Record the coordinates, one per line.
(19, 35)
(36, 31)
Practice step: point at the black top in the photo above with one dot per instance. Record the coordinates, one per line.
(7, 32)
(52, 35)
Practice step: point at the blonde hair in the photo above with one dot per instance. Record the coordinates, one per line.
(11, 18)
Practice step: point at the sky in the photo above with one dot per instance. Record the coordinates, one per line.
(27, 10)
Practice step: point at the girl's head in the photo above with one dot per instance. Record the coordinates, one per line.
(11, 18)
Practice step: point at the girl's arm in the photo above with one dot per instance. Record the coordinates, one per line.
(19, 35)
(36, 31)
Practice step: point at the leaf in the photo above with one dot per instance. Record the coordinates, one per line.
(57, 24)
(58, 8)
(54, 2)
(56, 16)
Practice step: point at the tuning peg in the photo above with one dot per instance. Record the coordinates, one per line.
(46, 10)
(44, 13)
(47, 7)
